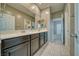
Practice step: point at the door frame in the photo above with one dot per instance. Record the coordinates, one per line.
(63, 20)
(76, 24)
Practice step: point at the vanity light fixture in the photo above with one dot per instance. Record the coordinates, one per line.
(47, 12)
(33, 7)
(8, 12)
(18, 16)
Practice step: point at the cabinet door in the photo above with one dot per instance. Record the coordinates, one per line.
(41, 39)
(46, 37)
(34, 36)
(34, 45)
(20, 50)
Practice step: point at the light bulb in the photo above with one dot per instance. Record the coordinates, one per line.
(47, 12)
(33, 7)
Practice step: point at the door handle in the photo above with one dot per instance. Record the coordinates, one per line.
(74, 35)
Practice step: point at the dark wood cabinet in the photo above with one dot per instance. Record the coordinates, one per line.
(14, 41)
(42, 39)
(19, 50)
(14, 46)
(26, 45)
(34, 45)
(46, 37)
(33, 36)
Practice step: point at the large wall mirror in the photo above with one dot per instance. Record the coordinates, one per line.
(15, 17)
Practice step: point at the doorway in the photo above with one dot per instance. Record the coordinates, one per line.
(58, 30)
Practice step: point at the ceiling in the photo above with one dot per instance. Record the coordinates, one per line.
(26, 8)
(21, 8)
(32, 7)
(53, 6)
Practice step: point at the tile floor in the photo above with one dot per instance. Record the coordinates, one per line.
(52, 49)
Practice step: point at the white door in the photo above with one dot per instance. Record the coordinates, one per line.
(76, 40)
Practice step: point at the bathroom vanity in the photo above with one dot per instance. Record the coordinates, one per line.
(23, 44)
(21, 33)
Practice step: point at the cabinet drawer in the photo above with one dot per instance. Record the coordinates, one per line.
(41, 41)
(14, 41)
(46, 34)
(46, 37)
(27, 37)
(41, 34)
(34, 36)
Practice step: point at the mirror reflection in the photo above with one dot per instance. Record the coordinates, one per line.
(15, 16)
(13, 19)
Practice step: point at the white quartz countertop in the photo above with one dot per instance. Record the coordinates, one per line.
(16, 34)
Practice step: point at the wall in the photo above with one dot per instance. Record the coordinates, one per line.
(57, 14)
(46, 17)
(37, 16)
(41, 15)
(72, 28)
(67, 27)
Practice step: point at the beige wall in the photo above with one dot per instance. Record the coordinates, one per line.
(67, 27)
(57, 14)
(41, 15)
(37, 16)
(46, 17)
(72, 27)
